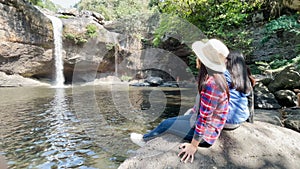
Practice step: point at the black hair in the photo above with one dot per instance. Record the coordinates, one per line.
(219, 79)
(237, 67)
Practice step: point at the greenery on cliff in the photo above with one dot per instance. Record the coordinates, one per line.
(114, 9)
(233, 21)
(48, 4)
(229, 20)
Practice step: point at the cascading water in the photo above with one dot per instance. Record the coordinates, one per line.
(59, 65)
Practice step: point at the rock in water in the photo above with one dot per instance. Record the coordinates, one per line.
(154, 81)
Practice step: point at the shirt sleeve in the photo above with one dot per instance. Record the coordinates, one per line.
(209, 102)
(227, 77)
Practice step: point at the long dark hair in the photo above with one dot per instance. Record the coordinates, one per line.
(219, 79)
(237, 67)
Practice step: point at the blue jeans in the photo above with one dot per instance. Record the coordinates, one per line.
(179, 126)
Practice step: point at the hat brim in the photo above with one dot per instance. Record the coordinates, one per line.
(197, 48)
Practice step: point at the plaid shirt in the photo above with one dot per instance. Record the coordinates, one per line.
(212, 112)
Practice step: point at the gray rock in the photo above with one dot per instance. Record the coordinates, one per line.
(18, 81)
(257, 145)
(263, 98)
(289, 78)
(26, 39)
(286, 98)
(268, 116)
(154, 81)
(291, 118)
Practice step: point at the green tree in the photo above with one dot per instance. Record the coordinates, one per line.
(44, 4)
(114, 9)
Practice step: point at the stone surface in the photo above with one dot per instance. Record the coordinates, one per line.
(18, 81)
(289, 78)
(286, 98)
(26, 39)
(269, 116)
(291, 118)
(257, 145)
(263, 98)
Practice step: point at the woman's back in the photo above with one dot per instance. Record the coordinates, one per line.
(240, 87)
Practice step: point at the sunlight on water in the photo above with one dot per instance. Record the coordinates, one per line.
(78, 127)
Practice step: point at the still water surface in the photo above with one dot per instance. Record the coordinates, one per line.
(81, 127)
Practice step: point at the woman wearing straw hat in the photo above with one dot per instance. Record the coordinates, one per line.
(203, 127)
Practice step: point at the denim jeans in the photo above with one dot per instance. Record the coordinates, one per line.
(179, 126)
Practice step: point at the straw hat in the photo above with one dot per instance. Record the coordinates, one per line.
(212, 54)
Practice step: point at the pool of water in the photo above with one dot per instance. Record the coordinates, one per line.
(81, 127)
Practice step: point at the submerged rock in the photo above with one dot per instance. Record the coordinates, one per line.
(253, 145)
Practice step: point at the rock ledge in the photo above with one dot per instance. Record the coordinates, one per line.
(258, 145)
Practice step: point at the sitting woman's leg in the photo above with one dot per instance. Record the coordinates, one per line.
(179, 126)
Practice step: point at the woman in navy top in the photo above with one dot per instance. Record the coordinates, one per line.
(240, 85)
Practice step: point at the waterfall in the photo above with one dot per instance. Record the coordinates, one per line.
(59, 65)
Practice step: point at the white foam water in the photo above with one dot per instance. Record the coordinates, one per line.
(59, 65)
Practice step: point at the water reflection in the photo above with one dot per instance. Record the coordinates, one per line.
(76, 127)
(63, 141)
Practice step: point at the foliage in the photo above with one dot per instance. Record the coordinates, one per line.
(277, 63)
(91, 30)
(65, 17)
(212, 17)
(81, 38)
(110, 46)
(125, 78)
(174, 27)
(192, 65)
(283, 23)
(76, 38)
(255, 69)
(224, 20)
(114, 9)
(48, 4)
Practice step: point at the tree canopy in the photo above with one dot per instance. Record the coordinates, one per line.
(114, 9)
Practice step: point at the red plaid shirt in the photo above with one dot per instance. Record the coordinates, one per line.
(212, 112)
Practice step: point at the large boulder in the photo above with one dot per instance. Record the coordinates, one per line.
(291, 118)
(263, 98)
(253, 145)
(289, 78)
(84, 55)
(286, 98)
(269, 116)
(19, 81)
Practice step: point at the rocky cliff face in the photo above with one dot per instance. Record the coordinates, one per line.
(26, 43)
(26, 39)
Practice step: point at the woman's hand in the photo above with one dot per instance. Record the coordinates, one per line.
(187, 152)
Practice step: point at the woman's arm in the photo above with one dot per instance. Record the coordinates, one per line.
(209, 101)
